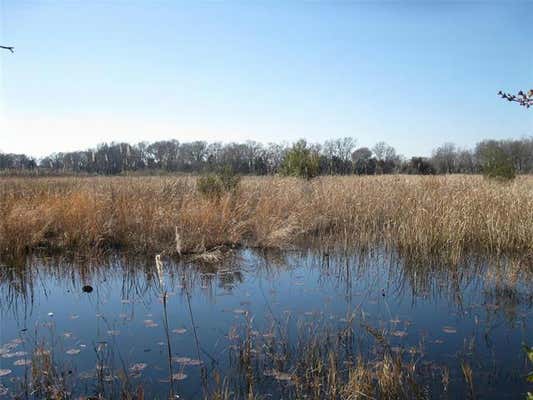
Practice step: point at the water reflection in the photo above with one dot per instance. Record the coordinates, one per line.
(268, 322)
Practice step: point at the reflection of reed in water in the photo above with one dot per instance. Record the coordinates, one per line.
(506, 279)
(323, 356)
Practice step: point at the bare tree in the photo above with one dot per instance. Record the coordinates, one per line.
(10, 48)
(524, 99)
(444, 158)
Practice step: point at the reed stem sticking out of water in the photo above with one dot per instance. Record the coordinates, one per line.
(164, 295)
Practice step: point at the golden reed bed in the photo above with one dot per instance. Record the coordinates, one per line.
(444, 215)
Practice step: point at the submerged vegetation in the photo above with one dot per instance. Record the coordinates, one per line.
(419, 216)
(144, 331)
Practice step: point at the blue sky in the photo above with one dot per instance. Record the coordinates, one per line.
(414, 74)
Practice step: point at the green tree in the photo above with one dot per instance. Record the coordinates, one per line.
(301, 160)
(496, 163)
(215, 185)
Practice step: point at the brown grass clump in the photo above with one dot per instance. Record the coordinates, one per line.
(420, 216)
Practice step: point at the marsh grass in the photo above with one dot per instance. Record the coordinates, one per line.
(419, 216)
(319, 367)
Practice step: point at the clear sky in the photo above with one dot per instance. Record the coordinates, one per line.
(413, 74)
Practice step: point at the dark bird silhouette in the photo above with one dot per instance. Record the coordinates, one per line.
(11, 49)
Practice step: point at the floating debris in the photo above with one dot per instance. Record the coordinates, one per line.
(4, 372)
(181, 360)
(449, 329)
(7, 348)
(282, 376)
(3, 390)
(179, 331)
(148, 323)
(22, 362)
(138, 367)
(179, 376)
(87, 289)
(50, 314)
(187, 361)
(15, 354)
(400, 334)
(74, 316)
(239, 311)
(73, 352)
(113, 332)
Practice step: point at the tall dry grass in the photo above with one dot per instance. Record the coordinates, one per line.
(420, 216)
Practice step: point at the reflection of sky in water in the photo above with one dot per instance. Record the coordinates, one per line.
(453, 315)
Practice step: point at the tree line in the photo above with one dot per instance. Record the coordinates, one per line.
(333, 157)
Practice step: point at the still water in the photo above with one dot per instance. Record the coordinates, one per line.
(245, 323)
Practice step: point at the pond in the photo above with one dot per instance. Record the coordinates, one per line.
(270, 323)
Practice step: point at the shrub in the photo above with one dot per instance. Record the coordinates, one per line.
(209, 186)
(497, 164)
(230, 181)
(214, 185)
(301, 161)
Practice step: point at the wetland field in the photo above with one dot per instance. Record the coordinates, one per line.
(376, 287)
